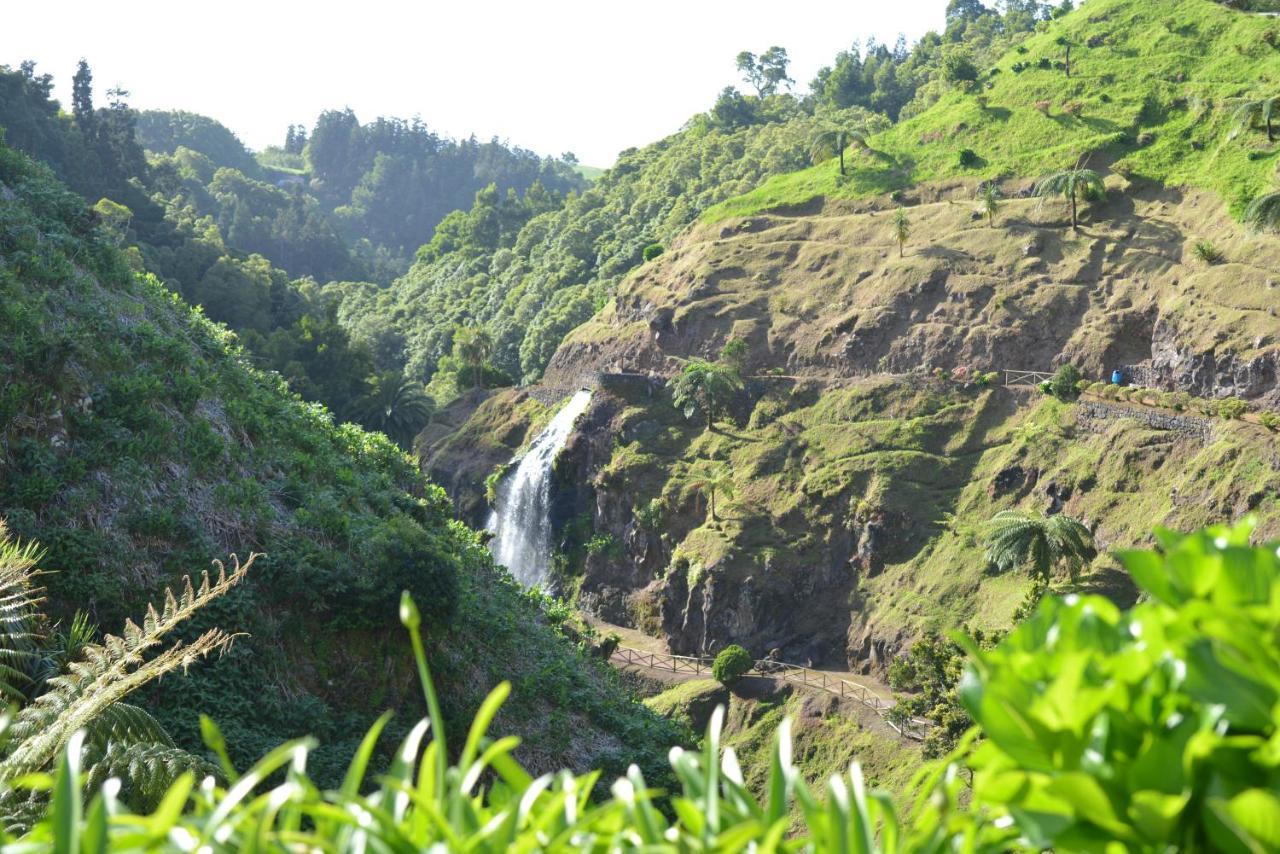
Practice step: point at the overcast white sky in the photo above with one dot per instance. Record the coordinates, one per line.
(553, 76)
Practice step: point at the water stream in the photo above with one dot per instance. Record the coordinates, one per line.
(521, 517)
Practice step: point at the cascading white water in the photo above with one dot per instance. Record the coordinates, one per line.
(521, 517)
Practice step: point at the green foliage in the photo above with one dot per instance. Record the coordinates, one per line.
(1096, 730)
(1017, 538)
(705, 386)
(1263, 213)
(731, 664)
(531, 268)
(832, 142)
(989, 197)
(1253, 112)
(1232, 407)
(1072, 185)
(1270, 420)
(66, 692)
(925, 682)
(1208, 253)
(653, 250)
(901, 228)
(713, 479)
(396, 406)
(1146, 730)
(1065, 382)
(138, 439)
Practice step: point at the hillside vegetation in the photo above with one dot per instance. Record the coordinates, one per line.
(1152, 88)
(137, 443)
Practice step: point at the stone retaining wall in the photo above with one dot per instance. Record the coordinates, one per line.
(1096, 415)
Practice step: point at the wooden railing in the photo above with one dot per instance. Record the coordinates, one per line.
(793, 673)
(1025, 377)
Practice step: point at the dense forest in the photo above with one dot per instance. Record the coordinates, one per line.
(880, 462)
(246, 241)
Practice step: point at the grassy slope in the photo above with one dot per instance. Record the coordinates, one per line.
(137, 443)
(814, 465)
(826, 736)
(1168, 68)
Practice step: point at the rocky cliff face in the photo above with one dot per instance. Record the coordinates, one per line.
(861, 480)
(827, 294)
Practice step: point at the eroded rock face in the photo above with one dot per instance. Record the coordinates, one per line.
(820, 295)
(1207, 373)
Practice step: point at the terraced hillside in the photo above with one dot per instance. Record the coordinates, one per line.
(860, 464)
(1152, 89)
(827, 293)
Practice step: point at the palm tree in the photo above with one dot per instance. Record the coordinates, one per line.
(832, 142)
(989, 197)
(704, 385)
(1263, 213)
(75, 688)
(1071, 184)
(395, 405)
(712, 480)
(473, 346)
(1017, 538)
(1251, 112)
(901, 229)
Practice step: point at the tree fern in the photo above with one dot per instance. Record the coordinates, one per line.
(1263, 213)
(1016, 538)
(19, 598)
(1072, 184)
(74, 684)
(111, 670)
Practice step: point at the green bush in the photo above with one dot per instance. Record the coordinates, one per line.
(1063, 384)
(967, 158)
(1232, 407)
(731, 664)
(1270, 420)
(653, 250)
(1208, 253)
(1096, 729)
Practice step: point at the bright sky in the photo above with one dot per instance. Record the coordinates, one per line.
(554, 76)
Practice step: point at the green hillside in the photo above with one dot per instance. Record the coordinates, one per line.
(137, 443)
(1151, 93)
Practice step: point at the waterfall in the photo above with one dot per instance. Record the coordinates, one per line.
(521, 517)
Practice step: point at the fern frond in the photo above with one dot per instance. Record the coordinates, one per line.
(113, 669)
(146, 770)
(123, 723)
(19, 599)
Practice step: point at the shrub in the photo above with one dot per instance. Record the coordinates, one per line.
(731, 664)
(1270, 420)
(967, 158)
(1232, 407)
(1151, 729)
(1046, 387)
(653, 250)
(1208, 253)
(1064, 383)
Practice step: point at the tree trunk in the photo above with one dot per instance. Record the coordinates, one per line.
(901, 243)
(842, 157)
(1074, 226)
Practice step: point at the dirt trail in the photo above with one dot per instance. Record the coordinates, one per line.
(645, 643)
